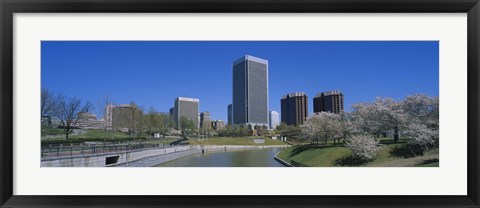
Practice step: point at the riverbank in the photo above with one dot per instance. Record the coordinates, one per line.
(110, 158)
(287, 164)
(191, 150)
(159, 159)
(238, 157)
(215, 148)
(242, 141)
(337, 155)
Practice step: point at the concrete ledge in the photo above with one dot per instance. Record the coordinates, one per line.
(142, 158)
(159, 159)
(101, 160)
(282, 161)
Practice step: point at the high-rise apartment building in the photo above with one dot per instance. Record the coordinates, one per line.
(274, 119)
(330, 101)
(187, 107)
(250, 91)
(294, 108)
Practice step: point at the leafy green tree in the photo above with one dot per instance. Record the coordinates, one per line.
(186, 126)
(289, 131)
(163, 126)
(151, 121)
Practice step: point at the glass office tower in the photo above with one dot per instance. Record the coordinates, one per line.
(250, 92)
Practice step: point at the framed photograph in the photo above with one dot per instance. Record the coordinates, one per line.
(242, 103)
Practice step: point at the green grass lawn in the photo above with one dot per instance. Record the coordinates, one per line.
(315, 155)
(163, 141)
(87, 135)
(429, 163)
(233, 141)
(328, 155)
(98, 134)
(55, 133)
(52, 131)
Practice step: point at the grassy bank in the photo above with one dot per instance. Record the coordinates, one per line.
(234, 141)
(99, 134)
(336, 155)
(51, 133)
(81, 136)
(57, 137)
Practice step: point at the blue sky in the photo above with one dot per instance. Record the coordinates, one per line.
(154, 73)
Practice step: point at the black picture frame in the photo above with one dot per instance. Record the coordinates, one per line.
(9, 7)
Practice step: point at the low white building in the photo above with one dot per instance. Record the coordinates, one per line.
(274, 119)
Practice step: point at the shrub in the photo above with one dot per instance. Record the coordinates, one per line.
(420, 137)
(363, 146)
(81, 140)
(407, 150)
(351, 161)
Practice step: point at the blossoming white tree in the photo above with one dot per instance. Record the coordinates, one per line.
(363, 146)
(420, 134)
(323, 126)
(423, 116)
(385, 114)
(416, 118)
(422, 109)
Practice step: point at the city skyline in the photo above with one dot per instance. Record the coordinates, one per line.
(130, 71)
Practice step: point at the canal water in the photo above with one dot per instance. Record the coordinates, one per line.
(237, 158)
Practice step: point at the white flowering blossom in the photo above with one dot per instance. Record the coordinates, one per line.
(363, 146)
(420, 134)
(323, 127)
(383, 115)
(422, 109)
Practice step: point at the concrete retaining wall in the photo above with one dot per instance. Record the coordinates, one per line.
(282, 161)
(234, 147)
(100, 160)
(194, 149)
(159, 159)
(141, 158)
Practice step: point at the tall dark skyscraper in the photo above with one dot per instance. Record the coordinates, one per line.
(330, 101)
(250, 91)
(294, 108)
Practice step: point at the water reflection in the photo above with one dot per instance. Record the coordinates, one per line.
(239, 158)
